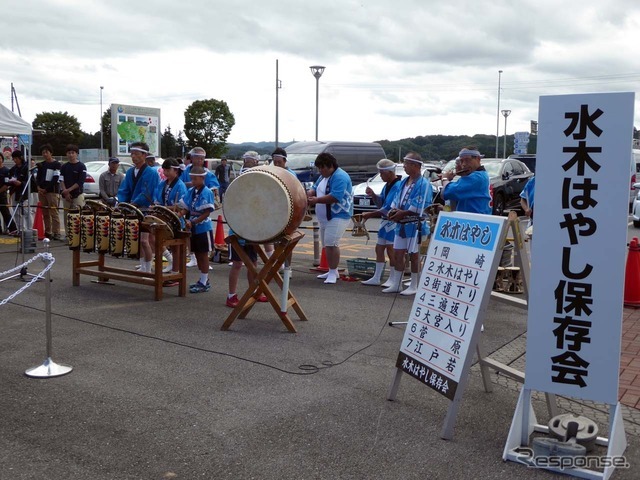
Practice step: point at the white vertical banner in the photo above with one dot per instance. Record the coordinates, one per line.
(579, 245)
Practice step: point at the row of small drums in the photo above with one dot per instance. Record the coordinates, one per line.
(116, 231)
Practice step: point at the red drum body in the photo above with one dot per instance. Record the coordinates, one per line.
(264, 203)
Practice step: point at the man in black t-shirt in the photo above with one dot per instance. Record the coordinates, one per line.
(48, 178)
(72, 177)
(18, 176)
(223, 172)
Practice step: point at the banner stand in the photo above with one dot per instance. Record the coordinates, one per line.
(525, 423)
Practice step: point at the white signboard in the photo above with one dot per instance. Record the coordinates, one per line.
(578, 251)
(447, 311)
(131, 124)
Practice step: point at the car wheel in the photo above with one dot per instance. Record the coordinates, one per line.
(636, 223)
(498, 204)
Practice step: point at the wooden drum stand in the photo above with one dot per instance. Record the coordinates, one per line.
(283, 248)
(154, 279)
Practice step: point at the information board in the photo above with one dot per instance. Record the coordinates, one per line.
(131, 124)
(448, 308)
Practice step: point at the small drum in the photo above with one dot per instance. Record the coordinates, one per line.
(116, 234)
(74, 226)
(133, 218)
(169, 217)
(264, 203)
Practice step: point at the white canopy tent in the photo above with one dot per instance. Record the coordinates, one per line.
(11, 124)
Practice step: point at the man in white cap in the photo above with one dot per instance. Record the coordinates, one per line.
(414, 195)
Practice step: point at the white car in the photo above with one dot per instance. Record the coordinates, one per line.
(94, 170)
(363, 202)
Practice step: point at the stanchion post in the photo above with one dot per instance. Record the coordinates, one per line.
(316, 244)
(49, 368)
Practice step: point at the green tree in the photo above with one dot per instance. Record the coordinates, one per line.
(168, 144)
(207, 124)
(106, 131)
(181, 145)
(60, 129)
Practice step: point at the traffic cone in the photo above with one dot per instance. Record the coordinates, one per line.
(324, 265)
(632, 275)
(219, 239)
(38, 222)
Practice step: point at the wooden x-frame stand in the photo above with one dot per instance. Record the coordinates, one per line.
(282, 250)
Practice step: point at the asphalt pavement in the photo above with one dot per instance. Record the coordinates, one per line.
(158, 391)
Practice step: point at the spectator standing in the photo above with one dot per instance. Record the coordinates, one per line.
(9, 225)
(109, 182)
(223, 173)
(48, 181)
(72, 177)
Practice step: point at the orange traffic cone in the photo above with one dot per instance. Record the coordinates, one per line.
(38, 222)
(324, 265)
(219, 239)
(632, 275)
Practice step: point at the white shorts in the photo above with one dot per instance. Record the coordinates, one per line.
(332, 231)
(384, 241)
(411, 245)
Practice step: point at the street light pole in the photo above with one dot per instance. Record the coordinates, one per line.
(317, 71)
(278, 87)
(498, 113)
(506, 113)
(101, 134)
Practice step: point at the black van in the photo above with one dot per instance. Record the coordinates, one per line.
(358, 159)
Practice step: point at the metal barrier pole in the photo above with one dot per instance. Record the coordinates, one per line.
(316, 244)
(49, 368)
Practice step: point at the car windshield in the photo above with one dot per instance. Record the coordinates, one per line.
(492, 168)
(298, 161)
(93, 166)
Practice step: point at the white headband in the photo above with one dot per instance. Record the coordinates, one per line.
(277, 155)
(413, 160)
(245, 156)
(471, 153)
(198, 174)
(138, 149)
(390, 167)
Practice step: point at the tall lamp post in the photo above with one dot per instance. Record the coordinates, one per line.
(101, 134)
(506, 113)
(317, 71)
(498, 113)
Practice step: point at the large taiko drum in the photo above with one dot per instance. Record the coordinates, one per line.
(264, 203)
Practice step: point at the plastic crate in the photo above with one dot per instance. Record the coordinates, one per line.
(361, 267)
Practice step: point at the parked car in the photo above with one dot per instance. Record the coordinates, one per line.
(358, 159)
(363, 202)
(507, 178)
(94, 170)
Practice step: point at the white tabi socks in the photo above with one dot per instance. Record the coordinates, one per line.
(396, 282)
(413, 287)
(332, 276)
(375, 280)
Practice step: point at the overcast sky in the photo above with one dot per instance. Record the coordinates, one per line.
(394, 69)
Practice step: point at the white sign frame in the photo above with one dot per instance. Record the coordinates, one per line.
(578, 275)
(457, 255)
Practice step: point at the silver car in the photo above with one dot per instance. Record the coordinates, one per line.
(94, 170)
(363, 202)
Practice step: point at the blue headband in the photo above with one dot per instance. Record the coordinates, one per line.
(471, 153)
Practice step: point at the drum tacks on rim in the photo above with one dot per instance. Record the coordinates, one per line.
(264, 203)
